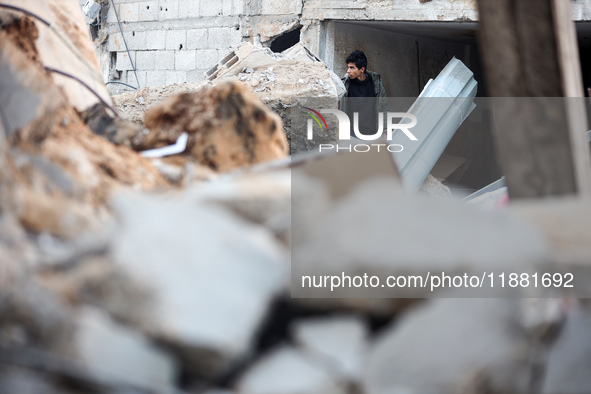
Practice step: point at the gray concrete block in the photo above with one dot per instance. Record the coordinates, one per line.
(189, 8)
(164, 60)
(235, 38)
(141, 76)
(111, 18)
(110, 349)
(156, 78)
(207, 58)
(129, 12)
(175, 39)
(173, 77)
(278, 7)
(238, 7)
(184, 60)
(197, 39)
(145, 60)
(123, 61)
(148, 11)
(155, 39)
(211, 7)
(218, 37)
(136, 40)
(115, 43)
(227, 8)
(129, 77)
(169, 9)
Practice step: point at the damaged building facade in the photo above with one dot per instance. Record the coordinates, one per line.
(408, 42)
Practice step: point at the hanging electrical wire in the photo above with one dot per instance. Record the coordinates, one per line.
(125, 43)
(81, 82)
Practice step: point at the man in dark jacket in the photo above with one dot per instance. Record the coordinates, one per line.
(360, 82)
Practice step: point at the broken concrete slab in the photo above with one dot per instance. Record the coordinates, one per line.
(227, 125)
(452, 345)
(212, 276)
(260, 197)
(340, 343)
(120, 354)
(287, 371)
(361, 231)
(565, 223)
(286, 82)
(569, 360)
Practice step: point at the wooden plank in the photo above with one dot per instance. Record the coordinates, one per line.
(530, 50)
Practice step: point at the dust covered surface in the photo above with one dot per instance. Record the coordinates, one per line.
(228, 127)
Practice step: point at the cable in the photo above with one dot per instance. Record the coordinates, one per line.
(84, 61)
(81, 82)
(97, 22)
(59, 35)
(11, 7)
(125, 42)
(122, 83)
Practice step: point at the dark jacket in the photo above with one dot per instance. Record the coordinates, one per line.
(380, 91)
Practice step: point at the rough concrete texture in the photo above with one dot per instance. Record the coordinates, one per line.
(119, 353)
(287, 371)
(228, 127)
(267, 204)
(43, 196)
(284, 82)
(340, 342)
(452, 345)
(569, 359)
(460, 239)
(210, 326)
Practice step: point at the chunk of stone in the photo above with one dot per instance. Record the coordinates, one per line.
(379, 231)
(569, 361)
(120, 354)
(452, 345)
(213, 276)
(338, 342)
(287, 371)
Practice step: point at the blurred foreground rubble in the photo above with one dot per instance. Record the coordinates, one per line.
(115, 280)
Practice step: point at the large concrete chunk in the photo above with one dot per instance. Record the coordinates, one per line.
(120, 354)
(376, 230)
(450, 346)
(285, 82)
(340, 343)
(212, 275)
(287, 371)
(569, 362)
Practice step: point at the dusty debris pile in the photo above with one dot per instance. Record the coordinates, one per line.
(281, 81)
(228, 127)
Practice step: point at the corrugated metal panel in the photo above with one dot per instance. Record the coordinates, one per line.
(440, 109)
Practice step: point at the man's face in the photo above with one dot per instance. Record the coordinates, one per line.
(353, 71)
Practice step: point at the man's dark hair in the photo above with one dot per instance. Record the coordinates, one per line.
(357, 57)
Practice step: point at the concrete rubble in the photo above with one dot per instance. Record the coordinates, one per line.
(126, 274)
(281, 81)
